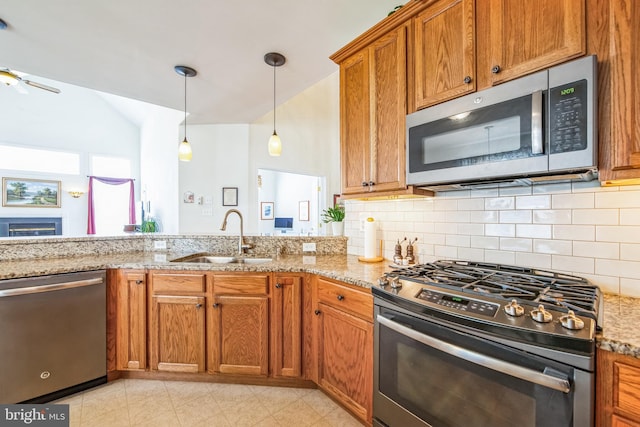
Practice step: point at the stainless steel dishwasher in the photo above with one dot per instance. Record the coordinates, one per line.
(52, 336)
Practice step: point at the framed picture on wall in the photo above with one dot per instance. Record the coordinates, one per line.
(303, 210)
(229, 196)
(30, 193)
(266, 210)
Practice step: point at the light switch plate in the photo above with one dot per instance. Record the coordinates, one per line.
(159, 244)
(308, 247)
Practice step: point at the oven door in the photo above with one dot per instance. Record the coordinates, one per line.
(492, 133)
(428, 374)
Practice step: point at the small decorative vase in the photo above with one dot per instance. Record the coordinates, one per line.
(338, 228)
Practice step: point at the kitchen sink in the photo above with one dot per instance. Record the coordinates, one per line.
(218, 259)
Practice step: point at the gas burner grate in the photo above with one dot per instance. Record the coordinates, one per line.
(527, 285)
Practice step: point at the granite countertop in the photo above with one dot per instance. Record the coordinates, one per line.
(620, 332)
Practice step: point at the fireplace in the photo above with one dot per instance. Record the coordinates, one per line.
(30, 226)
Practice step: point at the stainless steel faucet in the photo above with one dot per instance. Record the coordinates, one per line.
(241, 245)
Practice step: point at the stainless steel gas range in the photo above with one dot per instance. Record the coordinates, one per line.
(460, 343)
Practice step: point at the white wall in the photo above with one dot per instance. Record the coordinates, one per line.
(581, 229)
(76, 120)
(220, 159)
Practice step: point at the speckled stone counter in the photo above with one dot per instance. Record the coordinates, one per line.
(621, 326)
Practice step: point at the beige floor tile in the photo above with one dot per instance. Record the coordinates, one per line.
(340, 418)
(245, 411)
(203, 410)
(298, 414)
(321, 403)
(182, 392)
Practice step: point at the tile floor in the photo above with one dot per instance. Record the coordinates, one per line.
(131, 402)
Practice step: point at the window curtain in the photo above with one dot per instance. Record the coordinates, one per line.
(91, 223)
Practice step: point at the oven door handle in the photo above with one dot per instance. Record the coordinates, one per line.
(488, 362)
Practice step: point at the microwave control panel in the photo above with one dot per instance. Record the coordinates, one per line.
(568, 116)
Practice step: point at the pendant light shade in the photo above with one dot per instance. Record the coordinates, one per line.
(275, 60)
(184, 150)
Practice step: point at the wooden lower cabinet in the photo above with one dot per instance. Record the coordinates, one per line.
(131, 320)
(345, 346)
(177, 322)
(617, 390)
(286, 326)
(238, 325)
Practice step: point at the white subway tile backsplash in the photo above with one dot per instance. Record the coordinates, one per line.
(573, 264)
(573, 201)
(522, 217)
(542, 201)
(596, 250)
(584, 229)
(574, 232)
(552, 216)
(516, 245)
(560, 247)
(596, 216)
(499, 203)
(505, 230)
(536, 231)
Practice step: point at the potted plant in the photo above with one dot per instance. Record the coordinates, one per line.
(334, 216)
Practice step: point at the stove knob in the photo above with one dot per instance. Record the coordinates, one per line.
(514, 309)
(541, 315)
(383, 281)
(571, 321)
(395, 283)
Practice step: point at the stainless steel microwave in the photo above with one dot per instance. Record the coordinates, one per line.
(539, 127)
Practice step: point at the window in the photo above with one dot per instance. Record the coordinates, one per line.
(39, 160)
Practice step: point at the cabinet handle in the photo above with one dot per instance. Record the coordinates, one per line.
(467, 79)
(371, 183)
(340, 297)
(317, 312)
(278, 285)
(198, 305)
(215, 305)
(365, 184)
(138, 282)
(495, 69)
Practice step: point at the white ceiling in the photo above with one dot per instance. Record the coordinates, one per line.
(129, 48)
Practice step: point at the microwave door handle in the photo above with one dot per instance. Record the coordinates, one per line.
(488, 362)
(536, 122)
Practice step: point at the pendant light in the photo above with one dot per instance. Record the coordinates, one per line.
(275, 60)
(184, 150)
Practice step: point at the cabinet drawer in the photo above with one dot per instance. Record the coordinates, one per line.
(180, 283)
(359, 303)
(628, 396)
(241, 284)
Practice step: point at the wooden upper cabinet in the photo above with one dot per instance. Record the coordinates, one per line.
(444, 52)
(614, 32)
(372, 115)
(526, 36)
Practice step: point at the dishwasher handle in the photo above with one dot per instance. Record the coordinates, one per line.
(526, 374)
(49, 288)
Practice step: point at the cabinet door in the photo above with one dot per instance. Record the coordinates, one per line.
(614, 31)
(444, 52)
(355, 122)
(387, 78)
(346, 359)
(526, 36)
(286, 332)
(617, 421)
(131, 335)
(239, 334)
(177, 333)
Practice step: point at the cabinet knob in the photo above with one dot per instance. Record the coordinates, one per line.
(467, 79)
(495, 69)
(138, 282)
(278, 285)
(365, 184)
(340, 297)
(215, 305)
(198, 306)
(317, 312)
(371, 183)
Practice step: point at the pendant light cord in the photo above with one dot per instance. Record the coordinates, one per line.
(274, 99)
(185, 107)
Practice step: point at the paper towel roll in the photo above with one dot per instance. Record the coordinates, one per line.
(370, 238)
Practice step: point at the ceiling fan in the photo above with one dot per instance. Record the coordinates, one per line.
(14, 78)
